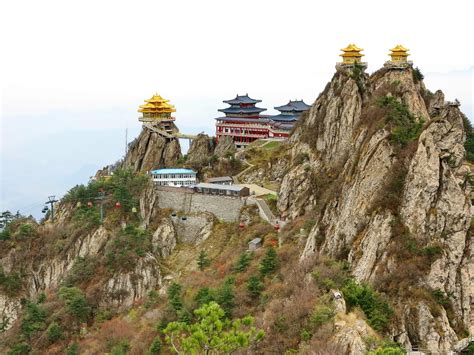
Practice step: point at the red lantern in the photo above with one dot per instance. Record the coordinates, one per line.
(117, 204)
(242, 225)
(277, 227)
(90, 204)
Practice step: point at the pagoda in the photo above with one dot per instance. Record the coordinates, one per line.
(283, 123)
(398, 55)
(242, 121)
(157, 112)
(351, 56)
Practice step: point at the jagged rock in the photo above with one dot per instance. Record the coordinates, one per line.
(225, 146)
(151, 151)
(349, 162)
(9, 311)
(164, 238)
(350, 333)
(195, 229)
(201, 149)
(124, 288)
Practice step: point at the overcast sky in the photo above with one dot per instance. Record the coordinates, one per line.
(73, 73)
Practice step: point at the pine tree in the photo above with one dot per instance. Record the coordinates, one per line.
(254, 286)
(226, 297)
(269, 263)
(203, 261)
(243, 262)
(174, 296)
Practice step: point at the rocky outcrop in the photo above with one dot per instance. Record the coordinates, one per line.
(201, 149)
(367, 193)
(151, 151)
(225, 147)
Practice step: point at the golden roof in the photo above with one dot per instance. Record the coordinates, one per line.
(351, 51)
(157, 104)
(351, 48)
(399, 48)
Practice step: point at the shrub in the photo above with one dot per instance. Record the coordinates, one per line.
(26, 230)
(390, 350)
(440, 297)
(203, 261)
(174, 296)
(33, 319)
(127, 247)
(20, 349)
(10, 284)
(204, 296)
(417, 75)
(72, 349)
(269, 263)
(377, 311)
(469, 143)
(54, 332)
(405, 127)
(121, 348)
(155, 346)
(81, 271)
(322, 314)
(243, 262)
(226, 297)
(212, 333)
(254, 287)
(76, 302)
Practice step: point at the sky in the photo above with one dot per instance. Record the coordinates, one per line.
(72, 74)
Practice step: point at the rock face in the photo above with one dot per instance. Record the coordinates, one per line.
(201, 149)
(371, 197)
(225, 146)
(151, 151)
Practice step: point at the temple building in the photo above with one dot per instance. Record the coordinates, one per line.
(174, 177)
(283, 123)
(351, 56)
(398, 57)
(242, 121)
(157, 111)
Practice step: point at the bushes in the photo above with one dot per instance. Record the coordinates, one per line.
(76, 303)
(243, 262)
(128, 246)
(322, 314)
(54, 332)
(377, 310)
(174, 297)
(82, 270)
(33, 319)
(269, 263)
(203, 261)
(155, 346)
(10, 284)
(405, 127)
(254, 287)
(469, 143)
(417, 75)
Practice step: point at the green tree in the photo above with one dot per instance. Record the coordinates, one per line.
(33, 319)
(204, 296)
(76, 302)
(203, 261)
(73, 349)
(54, 332)
(269, 263)
(212, 333)
(243, 262)
(469, 143)
(226, 297)
(155, 346)
(254, 286)
(174, 296)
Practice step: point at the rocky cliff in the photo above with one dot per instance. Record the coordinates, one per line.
(151, 151)
(377, 162)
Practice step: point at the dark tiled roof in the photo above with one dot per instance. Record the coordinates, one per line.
(285, 118)
(295, 106)
(241, 110)
(220, 178)
(242, 99)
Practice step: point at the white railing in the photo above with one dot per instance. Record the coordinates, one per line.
(262, 135)
(253, 125)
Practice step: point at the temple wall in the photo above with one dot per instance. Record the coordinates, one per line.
(224, 208)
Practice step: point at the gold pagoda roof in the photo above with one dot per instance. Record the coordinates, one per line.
(351, 51)
(157, 104)
(399, 50)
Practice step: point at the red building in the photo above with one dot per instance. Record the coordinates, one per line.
(243, 120)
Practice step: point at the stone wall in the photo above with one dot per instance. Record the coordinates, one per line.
(224, 208)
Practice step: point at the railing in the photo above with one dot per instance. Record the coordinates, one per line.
(254, 125)
(262, 135)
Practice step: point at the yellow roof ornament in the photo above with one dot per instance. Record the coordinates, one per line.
(156, 104)
(352, 48)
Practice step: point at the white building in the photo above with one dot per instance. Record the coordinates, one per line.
(174, 177)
